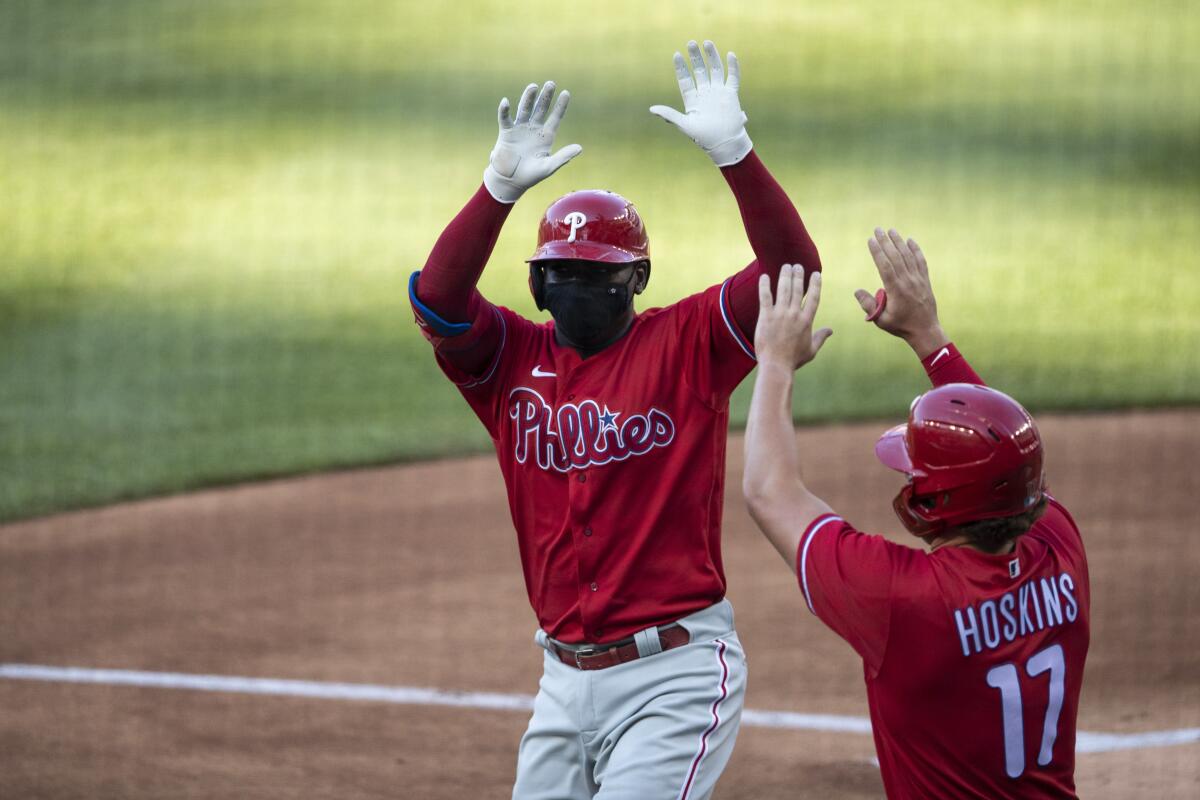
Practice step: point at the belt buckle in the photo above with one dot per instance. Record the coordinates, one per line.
(583, 652)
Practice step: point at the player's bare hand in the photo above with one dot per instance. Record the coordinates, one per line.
(784, 334)
(909, 309)
(522, 155)
(712, 113)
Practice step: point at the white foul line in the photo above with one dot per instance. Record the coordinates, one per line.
(413, 695)
(793, 720)
(404, 695)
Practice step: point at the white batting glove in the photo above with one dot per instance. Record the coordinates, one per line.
(521, 157)
(713, 116)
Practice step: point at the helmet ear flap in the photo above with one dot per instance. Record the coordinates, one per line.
(907, 508)
(537, 285)
(646, 264)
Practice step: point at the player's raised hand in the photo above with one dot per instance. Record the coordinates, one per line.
(905, 307)
(713, 116)
(784, 333)
(521, 157)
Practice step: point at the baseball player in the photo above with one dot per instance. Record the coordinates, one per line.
(972, 649)
(610, 428)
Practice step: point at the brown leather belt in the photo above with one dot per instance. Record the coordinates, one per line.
(609, 655)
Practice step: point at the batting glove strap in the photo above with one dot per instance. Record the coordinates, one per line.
(731, 151)
(501, 188)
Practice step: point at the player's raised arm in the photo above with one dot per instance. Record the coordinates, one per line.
(906, 308)
(714, 120)
(772, 484)
(443, 294)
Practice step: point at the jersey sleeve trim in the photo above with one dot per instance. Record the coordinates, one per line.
(731, 324)
(491, 370)
(428, 318)
(806, 540)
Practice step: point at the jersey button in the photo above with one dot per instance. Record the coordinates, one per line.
(594, 586)
(587, 531)
(570, 397)
(582, 478)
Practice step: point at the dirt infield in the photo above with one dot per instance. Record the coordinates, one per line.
(408, 577)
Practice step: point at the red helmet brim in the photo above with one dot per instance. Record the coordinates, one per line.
(892, 450)
(584, 251)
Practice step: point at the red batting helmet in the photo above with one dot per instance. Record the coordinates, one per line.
(592, 225)
(970, 453)
(588, 225)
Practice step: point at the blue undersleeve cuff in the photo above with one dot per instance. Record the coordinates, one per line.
(430, 318)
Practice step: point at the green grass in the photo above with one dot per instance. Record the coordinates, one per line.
(209, 210)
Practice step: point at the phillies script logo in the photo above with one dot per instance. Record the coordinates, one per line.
(582, 435)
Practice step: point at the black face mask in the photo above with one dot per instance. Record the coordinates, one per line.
(587, 313)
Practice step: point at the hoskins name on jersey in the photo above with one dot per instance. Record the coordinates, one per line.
(582, 434)
(1033, 606)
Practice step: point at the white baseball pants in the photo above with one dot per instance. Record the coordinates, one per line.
(658, 728)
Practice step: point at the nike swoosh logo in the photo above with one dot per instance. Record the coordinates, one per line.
(537, 373)
(945, 351)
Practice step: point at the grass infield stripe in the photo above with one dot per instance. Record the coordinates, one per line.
(413, 695)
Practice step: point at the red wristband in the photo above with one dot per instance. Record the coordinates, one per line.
(939, 357)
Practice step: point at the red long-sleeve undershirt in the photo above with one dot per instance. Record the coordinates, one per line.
(450, 274)
(774, 228)
(777, 236)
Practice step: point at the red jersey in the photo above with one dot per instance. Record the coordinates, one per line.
(973, 662)
(614, 464)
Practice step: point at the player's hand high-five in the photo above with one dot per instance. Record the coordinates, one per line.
(905, 307)
(521, 157)
(784, 333)
(713, 116)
